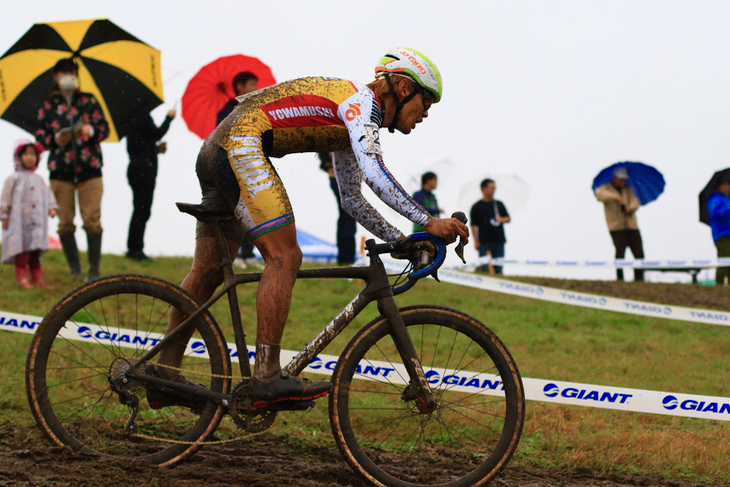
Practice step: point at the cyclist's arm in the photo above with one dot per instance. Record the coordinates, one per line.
(349, 182)
(361, 115)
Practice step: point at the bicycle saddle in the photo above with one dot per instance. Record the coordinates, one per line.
(205, 214)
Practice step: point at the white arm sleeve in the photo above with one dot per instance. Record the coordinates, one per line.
(361, 115)
(349, 182)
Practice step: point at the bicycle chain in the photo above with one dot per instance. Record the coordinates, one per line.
(180, 442)
(192, 372)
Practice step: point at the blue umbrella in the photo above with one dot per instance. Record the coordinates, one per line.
(647, 182)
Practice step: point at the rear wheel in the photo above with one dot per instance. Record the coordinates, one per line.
(473, 432)
(93, 335)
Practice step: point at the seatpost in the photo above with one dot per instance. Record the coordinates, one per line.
(226, 262)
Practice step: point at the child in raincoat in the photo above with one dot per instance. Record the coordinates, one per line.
(25, 206)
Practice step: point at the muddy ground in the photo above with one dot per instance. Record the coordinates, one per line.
(27, 460)
(268, 462)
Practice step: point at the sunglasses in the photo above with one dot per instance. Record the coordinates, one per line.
(427, 96)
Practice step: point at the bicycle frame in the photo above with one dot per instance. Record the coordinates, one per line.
(377, 288)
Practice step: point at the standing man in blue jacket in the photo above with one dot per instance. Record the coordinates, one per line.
(719, 207)
(426, 198)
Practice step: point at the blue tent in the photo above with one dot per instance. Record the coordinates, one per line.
(314, 249)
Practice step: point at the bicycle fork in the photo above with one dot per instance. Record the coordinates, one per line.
(418, 389)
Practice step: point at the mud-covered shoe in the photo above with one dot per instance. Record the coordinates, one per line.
(284, 387)
(159, 397)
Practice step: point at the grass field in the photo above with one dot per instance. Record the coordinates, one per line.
(548, 341)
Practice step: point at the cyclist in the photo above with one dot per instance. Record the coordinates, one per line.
(313, 114)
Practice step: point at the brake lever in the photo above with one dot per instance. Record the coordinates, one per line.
(459, 215)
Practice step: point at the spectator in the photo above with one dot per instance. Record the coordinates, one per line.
(718, 206)
(425, 197)
(143, 147)
(243, 83)
(25, 207)
(70, 125)
(346, 225)
(487, 218)
(620, 204)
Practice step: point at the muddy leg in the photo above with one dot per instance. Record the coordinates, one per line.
(283, 258)
(204, 277)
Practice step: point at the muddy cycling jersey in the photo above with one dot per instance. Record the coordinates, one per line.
(310, 115)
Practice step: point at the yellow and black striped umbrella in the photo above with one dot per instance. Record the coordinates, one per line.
(122, 72)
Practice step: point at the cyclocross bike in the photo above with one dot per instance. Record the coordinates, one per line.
(417, 388)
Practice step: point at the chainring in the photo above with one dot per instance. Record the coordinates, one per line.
(244, 414)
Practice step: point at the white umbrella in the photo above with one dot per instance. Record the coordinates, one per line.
(511, 190)
(441, 169)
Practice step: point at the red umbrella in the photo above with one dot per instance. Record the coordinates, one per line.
(212, 87)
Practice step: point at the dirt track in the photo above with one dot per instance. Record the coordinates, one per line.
(27, 460)
(265, 463)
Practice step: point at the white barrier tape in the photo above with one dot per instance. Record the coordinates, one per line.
(558, 392)
(585, 300)
(621, 263)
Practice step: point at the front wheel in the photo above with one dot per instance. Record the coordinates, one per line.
(89, 340)
(471, 435)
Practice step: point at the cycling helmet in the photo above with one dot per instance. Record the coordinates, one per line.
(409, 62)
(401, 61)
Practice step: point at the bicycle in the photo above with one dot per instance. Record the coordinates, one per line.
(440, 387)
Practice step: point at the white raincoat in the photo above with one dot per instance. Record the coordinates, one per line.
(25, 203)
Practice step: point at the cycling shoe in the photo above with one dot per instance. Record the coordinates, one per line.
(284, 387)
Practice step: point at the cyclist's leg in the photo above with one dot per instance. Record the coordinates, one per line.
(283, 257)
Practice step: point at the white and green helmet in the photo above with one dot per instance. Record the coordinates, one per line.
(409, 62)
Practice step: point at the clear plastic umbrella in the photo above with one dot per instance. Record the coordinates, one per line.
(441, 169)
(511, 190)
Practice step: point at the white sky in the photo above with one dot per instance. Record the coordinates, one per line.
(549, 91)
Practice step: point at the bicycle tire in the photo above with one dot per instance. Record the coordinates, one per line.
(467, 441)
(80, 342)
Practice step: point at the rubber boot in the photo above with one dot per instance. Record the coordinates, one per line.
(37, 276)
(94, 242)
(72, 254)
(21, 277)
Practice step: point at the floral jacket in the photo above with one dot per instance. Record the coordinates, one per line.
(79, 160)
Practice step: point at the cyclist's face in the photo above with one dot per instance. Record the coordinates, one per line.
(413, 112)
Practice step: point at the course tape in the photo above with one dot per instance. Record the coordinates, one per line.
(653, 264)
(558, 392)
(619, 305)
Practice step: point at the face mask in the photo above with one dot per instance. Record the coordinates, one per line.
(67, 83)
